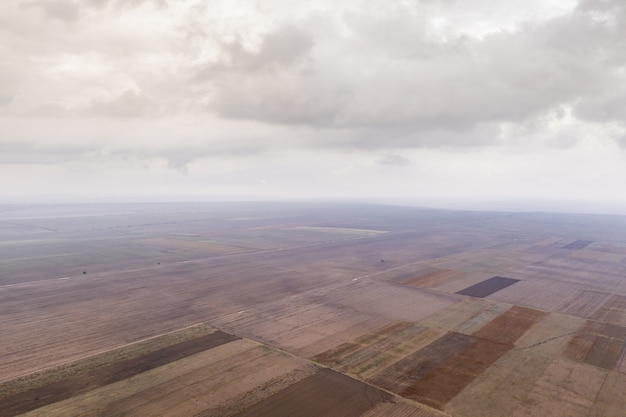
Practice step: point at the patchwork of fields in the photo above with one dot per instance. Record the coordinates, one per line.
(294, 309)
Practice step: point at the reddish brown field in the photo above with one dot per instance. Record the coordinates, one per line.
(432, 278)
(511, 325)
(444, 383)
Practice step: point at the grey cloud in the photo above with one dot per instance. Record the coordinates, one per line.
(608, 101)
(179, 162)
(179, 157)
(284, 47)
(64, 10)
(393, 160)
(23, 152)
(268, 84)
(10, 78)
(600, 5)
(282, 100)
(407, 79)
(128, 104)
(609, 105)
(5, 100)
(279, 49)
(69, 11)
(177, 143)
(50, 68)
(408, 137)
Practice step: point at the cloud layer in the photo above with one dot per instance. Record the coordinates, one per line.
(176, 85)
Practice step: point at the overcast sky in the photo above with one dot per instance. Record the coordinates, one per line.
(421, 101)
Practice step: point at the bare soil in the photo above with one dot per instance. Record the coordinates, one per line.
(433, 278)
(327, 393)
(613, 310)
(510, 325)
(407, 372)
(444, 383)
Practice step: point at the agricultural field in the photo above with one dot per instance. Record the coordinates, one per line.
(310, 309)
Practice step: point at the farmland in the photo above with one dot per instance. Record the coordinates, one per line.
(279, 309)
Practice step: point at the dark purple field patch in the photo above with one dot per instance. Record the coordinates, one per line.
(579, 244)
(488, 287)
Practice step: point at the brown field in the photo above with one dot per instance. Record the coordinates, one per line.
(241, 309)
(612, 311)
(598, 344)
(432, 277)
(326, 393)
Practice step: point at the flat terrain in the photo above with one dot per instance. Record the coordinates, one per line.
(268, 309)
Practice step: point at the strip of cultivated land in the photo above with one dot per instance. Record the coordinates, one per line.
(58, 384)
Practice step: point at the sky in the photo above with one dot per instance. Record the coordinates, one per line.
(433, 102)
